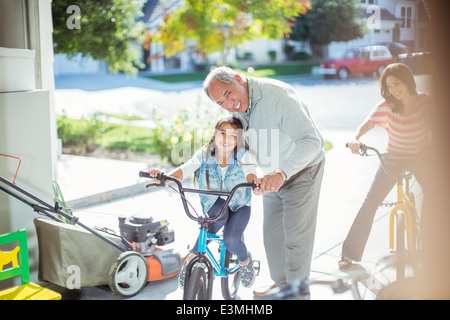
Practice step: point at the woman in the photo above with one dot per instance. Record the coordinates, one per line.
(405, 114)
(222, 164)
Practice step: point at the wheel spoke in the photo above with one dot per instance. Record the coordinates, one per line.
(122, 276)
(130, 274)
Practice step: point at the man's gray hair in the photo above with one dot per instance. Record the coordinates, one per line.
(223, 74)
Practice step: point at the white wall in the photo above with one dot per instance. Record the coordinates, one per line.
(260, 48)
(27, 118)
(77, 65)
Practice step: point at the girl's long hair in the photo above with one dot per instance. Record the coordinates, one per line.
(405, 75)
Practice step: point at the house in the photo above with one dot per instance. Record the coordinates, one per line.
(402, 21)
(153, 52)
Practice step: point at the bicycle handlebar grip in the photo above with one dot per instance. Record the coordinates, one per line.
(362, 146)
(144, 174)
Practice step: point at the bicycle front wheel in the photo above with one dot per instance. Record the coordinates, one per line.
(405, 289)
(230, 283)
(196, 286)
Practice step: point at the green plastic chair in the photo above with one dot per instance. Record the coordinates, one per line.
(18, 257)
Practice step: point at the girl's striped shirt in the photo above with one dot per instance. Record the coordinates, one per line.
(406, 134)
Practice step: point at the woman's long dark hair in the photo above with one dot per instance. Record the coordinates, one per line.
(403, 73)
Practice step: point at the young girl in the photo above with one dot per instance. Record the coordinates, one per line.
(405, 114)
(220, 165)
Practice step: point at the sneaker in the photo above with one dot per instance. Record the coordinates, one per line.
(248, 273)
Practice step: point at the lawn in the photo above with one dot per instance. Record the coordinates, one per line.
(258, 71)
(126, 137)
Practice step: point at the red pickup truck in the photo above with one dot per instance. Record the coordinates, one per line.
(365, 60)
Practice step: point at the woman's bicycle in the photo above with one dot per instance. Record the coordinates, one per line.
(363, 285)
(404, 229)
(202, 269)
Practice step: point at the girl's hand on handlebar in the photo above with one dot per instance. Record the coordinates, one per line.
(154, 173)
(354, 146)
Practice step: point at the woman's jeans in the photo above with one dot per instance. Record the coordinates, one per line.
(382, 184)
(234, 224)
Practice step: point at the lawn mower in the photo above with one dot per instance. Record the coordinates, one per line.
(125, 261)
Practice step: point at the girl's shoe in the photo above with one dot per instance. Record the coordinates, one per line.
(248, 273)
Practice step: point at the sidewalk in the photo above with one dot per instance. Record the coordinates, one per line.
(112, 188)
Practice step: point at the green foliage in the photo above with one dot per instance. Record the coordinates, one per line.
(177, 139)
(329, 21)
(108, 31)
(80, 132)
(216, 26)
(272, 55)
(174, 139)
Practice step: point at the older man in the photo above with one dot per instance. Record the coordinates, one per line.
(289, 150)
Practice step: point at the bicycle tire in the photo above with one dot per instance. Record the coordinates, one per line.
(128, 274)
(400, 249)
(196, 287)
(405, 289)
(230, 283)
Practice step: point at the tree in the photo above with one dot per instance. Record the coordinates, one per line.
(102, 30)
(328, 21)
(217, 26)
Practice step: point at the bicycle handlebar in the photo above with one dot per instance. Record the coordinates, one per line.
(363, 148)
(229, 194)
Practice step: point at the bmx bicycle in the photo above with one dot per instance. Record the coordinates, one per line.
(202, 269)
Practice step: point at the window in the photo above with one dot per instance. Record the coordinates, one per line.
(406, 16)
(368, 1)
(349, 54)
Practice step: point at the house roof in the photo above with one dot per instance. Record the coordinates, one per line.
(385, 15)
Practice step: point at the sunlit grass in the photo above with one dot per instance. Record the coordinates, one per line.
(257, 71)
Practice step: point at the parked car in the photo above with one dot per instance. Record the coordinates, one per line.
(419, 62)
(395, 48)
(365, 59)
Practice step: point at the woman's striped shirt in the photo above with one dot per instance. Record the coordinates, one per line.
(406, 134)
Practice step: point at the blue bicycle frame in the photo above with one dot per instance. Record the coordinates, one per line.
(219, 269)
(205, 256)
